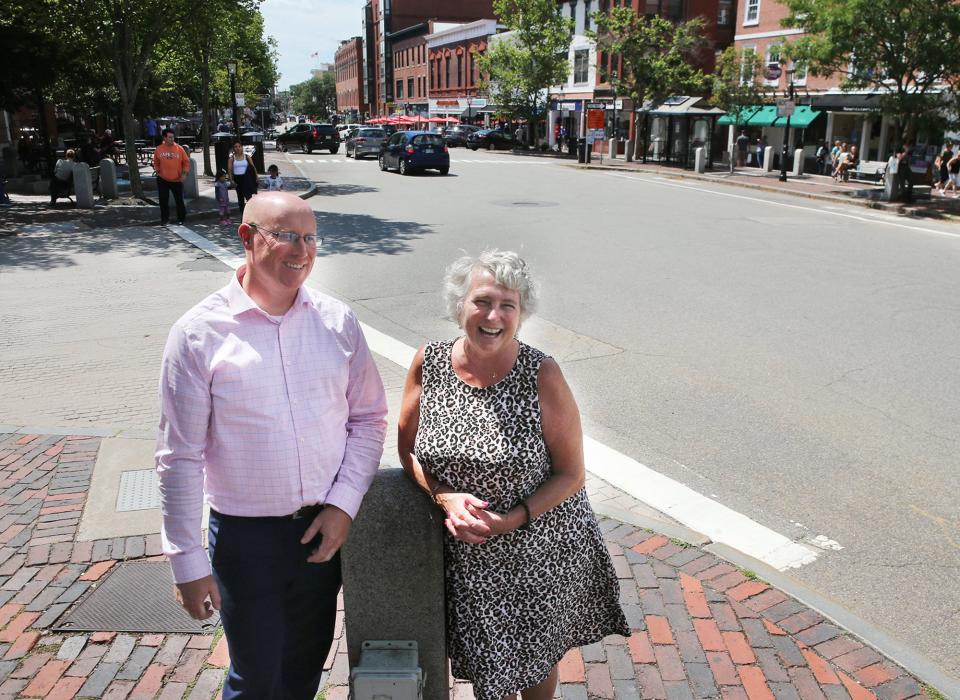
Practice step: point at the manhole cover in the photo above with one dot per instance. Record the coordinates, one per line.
(526, 203)
(139, 490)
(135, 597)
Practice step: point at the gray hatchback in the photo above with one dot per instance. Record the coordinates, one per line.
(365, 141)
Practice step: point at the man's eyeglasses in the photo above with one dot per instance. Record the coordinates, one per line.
(289, 237)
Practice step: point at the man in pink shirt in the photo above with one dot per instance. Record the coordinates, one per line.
(273, 410)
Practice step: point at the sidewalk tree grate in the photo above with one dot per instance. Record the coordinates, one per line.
(135, 597)
(139, 490)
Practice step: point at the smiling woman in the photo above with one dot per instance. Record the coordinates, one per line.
(489, 427)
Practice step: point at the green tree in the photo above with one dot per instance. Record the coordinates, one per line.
(737, 86)
(316, 97)
(520, 67)
(905, 50)
(658, 56)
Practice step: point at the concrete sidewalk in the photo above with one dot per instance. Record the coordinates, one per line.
(702, 627)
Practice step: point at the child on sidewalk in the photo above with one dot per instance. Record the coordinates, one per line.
(274, 181)
(222, 189)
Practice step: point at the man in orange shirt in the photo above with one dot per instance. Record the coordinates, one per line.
(172, 165)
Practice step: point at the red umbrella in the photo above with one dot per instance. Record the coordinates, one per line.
(451, 120)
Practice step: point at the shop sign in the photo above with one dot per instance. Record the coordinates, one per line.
(596, 119)
(785, 108)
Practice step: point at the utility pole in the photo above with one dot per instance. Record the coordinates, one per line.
(786, 132)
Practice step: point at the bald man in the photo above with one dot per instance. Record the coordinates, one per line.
(273, 411)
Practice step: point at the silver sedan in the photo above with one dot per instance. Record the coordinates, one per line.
(365, 141)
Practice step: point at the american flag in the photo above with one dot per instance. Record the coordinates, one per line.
(315, 54)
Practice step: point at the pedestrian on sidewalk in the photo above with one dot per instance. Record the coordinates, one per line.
(942, 168)
(172, 165)
(489, 428)
(150, 131)
(271, 410)
(953, 173)
(841, 158)
(821, 156)
(904, 178)
(221, 190)
(243, 174)
(742, 144)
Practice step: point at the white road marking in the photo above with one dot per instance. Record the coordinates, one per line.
(696, 511)
(873, 219)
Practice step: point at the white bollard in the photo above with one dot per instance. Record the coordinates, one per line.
(108, 179)
(699, 160)
(612, 149)
(191, 188)
(628, 152)
(768, 159)
(798, 162)
(82, 185)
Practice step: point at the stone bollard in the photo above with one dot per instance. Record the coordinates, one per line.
(108, 179)
(191, 188)
(768, 159)
(891, 188)
(393, 585)
(628, 151)
(82, 185)
(798, 162)
(699, 160)
(612, 149)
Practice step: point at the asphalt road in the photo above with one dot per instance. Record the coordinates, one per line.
(796, 363)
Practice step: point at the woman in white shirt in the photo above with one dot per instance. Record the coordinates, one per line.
(242, 174)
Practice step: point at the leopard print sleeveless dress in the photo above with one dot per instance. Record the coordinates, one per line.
(517, 603)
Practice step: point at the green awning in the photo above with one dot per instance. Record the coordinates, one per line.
(766, 115)
(803, 117)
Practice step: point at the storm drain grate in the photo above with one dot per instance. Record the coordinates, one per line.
(135, 597)
(139, 490)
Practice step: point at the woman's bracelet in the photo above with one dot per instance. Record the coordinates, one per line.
(526, 509)
(433, 493)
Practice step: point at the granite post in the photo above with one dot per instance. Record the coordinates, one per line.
(82, 185)
(393, 587)
(108, 178)
(191, 188)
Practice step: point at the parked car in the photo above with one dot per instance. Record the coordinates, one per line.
(346, 129)
(365, 141)
(490, 139)
(309, 137)
(457, 135)
(408, 151)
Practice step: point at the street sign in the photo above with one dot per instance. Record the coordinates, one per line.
(773, 71)
(240, 100)
(596, 105)
(596, 119)
(786, 108)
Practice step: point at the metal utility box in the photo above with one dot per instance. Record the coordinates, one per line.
(388, 670)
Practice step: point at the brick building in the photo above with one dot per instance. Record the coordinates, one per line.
(454, 74)
(384, 22)
(348, 63)
(410, 68)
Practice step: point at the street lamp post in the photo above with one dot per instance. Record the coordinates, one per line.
(786, 130)
(469, 104)
(232, 70)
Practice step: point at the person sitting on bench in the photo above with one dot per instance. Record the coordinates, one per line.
(62, 180)
(848, 162)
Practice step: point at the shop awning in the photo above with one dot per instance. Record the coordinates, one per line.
(766, 115)
(803, 116)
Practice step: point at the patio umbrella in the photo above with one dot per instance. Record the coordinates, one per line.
(451, 120)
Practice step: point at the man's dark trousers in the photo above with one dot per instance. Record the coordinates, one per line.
(278, 611)
(164, 189)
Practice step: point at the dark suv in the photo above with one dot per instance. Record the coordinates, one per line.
(457, 135)
(309, 137)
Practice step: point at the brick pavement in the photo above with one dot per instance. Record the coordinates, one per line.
(702, 628)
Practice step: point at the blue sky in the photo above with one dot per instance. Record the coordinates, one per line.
(301, 30)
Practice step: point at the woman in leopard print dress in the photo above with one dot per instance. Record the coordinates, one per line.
(490, 429)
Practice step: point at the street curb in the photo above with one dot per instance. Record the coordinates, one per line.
(912, 661)
(911, 213)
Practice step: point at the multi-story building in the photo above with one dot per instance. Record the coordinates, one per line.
(591, 70)
(384, 22)
(454, 72)
(826, 112)
(349, 72)
(410, 69)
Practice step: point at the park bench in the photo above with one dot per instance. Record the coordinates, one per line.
(873, 171)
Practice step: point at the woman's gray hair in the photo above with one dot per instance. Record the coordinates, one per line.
(508, 270)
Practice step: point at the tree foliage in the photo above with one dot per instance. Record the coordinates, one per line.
(658, 55)
(737, 84)
(905, 50)
(520, 67)
(316, 97)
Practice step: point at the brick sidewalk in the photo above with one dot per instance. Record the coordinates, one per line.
(702, 628)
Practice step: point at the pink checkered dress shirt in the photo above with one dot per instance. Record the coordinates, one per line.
(263, 417)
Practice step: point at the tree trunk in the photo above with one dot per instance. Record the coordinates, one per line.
(204, 110)
(130, 148)
(48, 151)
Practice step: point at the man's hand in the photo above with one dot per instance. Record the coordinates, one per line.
(333, 526)
(199, 598)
